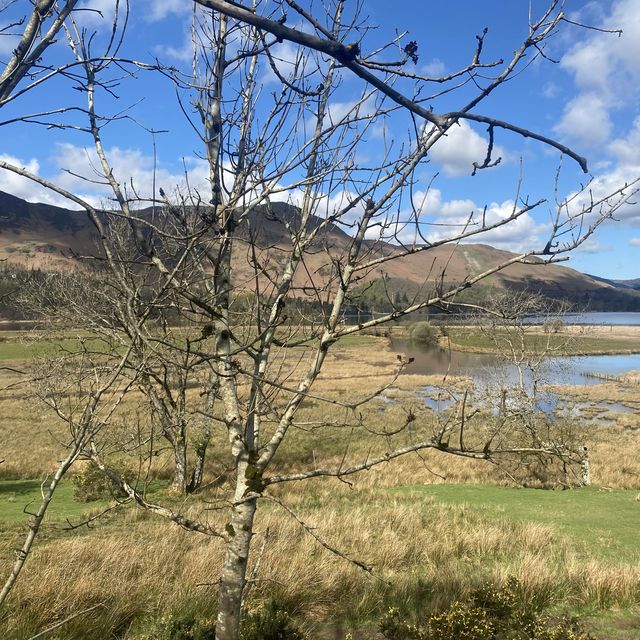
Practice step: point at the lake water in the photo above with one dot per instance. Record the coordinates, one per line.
(486, 366)
(615, 318)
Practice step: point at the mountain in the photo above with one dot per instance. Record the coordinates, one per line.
(45, 237)
(624, 284)
(41, 236)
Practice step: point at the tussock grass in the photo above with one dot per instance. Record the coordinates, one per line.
(428, 554)
(428, 544)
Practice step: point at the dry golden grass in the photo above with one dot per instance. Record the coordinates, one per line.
(427, 554)
(427, 557)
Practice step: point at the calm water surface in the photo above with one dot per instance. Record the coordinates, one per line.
(485, 366)
(615, 318)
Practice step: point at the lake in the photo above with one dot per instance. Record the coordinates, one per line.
(615, 318)
(483, 366)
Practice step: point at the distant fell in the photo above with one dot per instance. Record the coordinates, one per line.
(50, 238)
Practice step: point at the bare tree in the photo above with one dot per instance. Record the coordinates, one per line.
(241, 285)
(520, 329)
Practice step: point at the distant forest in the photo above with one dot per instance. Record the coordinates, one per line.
(382, 295)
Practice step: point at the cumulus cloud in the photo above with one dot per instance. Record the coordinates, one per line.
(77, 170)
(439, 219)
(80, 171)
(606, 71)
(460, 148)
(522, 234)
(592, 245)
(23, 187)
(586, 121)
(154, 11)
(634, 242)
(625, 170)
(96, 14)
(627, 150)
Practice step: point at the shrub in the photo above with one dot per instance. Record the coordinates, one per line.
(425, 334)
(184, 626)
(555, 325)
(90, 483)
(460, 622)
(492, 613)
(393, 627)
(270, 623)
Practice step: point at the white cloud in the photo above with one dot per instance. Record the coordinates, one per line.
(23, 187)
(96, 13)
(285, 56)
(460, 148)
(591, 245)
(550, 90)
(627, 150)
(154, 10)
(606, 71)
(182, 52)
(441, 219)
(435, 68)
(521, 234)
(626, 205)
(586, 120)
(634, 242)
(605, 61)
(133, 170)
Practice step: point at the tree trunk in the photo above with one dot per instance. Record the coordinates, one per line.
(198, 466)
(233, 578)
(179, 483)
(585, 472)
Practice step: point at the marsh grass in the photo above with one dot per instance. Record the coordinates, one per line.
(568, 342)
(431, 532)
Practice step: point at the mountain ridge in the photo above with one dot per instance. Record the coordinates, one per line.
(46, 237)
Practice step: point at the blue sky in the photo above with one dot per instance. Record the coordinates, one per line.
(588, 100)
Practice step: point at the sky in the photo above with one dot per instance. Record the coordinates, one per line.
(585, 94)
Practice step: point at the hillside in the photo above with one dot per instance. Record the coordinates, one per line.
(41, 236)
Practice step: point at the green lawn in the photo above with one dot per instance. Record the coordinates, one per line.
(22, 346)
(18, 495)
(603, 523)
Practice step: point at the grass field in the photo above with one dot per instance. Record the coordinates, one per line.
(16, 496)
(598, 523)
(565, 343)
(433, 527)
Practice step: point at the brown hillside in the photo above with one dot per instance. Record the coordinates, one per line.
(47, 237)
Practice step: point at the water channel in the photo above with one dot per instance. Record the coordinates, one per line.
(489, 371)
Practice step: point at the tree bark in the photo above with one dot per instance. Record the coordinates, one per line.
(197, 473)
(234, 571)
(179, 483)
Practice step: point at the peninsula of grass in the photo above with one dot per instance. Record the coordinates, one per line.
(475, 341)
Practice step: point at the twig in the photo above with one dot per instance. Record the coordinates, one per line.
(57, 625)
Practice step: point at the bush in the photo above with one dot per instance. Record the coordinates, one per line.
(270, 623)
(461, 622)
(393, 627)
(492, 613)
(425, 334)
(554, 325)
(90, 483)
(183, 626)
